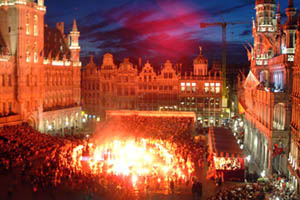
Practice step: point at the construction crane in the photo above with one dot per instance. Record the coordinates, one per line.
(224, 45)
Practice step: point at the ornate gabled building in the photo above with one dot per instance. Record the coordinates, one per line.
(39, 69)
(294, 156)
(266, 90)
(112, 88)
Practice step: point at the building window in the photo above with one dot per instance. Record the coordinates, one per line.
(217, 103)
(126, 91)
(170, 75)
(9, 108)
(3, 80)
(27, 24)
(4, 108)
(188, 87)
(28, 53)
(193, 87)
(132, 91)
(217, 89)
(182, 87)
(165, 75)
(119, 91)
(9, 80)
(35, 26)
(35, 54)
(27, 81)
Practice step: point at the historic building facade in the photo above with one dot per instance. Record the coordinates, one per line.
(294, 156)
(265, 92)
(39, 69)
(109, 87)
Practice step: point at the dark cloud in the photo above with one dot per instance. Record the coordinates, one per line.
(130, 30)
(246, 33)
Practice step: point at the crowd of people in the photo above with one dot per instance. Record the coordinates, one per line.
(255, 191)
(46, 161)
(177, 130)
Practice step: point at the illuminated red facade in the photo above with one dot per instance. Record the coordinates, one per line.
(265, 92)
(294, 156)
(109, 87)
(39, 69)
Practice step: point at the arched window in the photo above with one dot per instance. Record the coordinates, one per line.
(27, 24)
(35, 26)
(279, 116)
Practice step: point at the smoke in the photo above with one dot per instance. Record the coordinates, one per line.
(115, 129)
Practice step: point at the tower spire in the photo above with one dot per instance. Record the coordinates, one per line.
(278, 14)
(75, 29)
(200, 48)
(291, 3)
(278, 8)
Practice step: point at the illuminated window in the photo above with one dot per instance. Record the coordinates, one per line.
(291, 58)
(182, 84)
(217, 103)
(212, 84)
(206, 84)
(35, 26)
(218, 84)
(193, 89)
(206, 89)
(212, 89)
(27, 24)
(217, 89)
(35, 54)
(182, 88)
(28, 53)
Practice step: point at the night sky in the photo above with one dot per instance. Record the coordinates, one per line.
(157, 30)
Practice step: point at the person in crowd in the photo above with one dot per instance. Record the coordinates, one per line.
(199, 189)
(172, 186)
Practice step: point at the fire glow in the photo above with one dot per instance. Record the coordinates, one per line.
(137, 159)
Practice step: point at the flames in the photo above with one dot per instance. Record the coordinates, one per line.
(136, 159)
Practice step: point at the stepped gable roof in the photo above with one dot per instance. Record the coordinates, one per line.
(55, 44)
